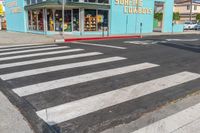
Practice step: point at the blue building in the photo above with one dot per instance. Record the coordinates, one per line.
(87, 16)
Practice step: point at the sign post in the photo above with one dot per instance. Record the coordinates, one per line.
(140, 30)
(63, 15)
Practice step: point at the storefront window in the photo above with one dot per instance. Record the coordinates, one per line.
(58, 20)
(97, 1)
(29, 20)
(50, 21)
(40, 20)
(75, 19)
(96, 20)
(38, 1)
(90, 20)
(28, 2)
(33, 1)
(102, 20)
(103, 1)
(67, 21)
(34, 20)
(91, 1)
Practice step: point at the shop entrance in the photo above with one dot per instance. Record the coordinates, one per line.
(76, 21)
(53, 19)
(158, 16)
(55, 23)
(67, 21)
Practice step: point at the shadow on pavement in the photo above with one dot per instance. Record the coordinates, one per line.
(187, 47)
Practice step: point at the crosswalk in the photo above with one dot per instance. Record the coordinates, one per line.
(50, 85)
(58, 67)
(174, 123)
(98, 102)
(46, 59)
(30, 50)
(38, 54)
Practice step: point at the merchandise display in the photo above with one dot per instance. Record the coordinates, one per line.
(90, 23)
(94, 20)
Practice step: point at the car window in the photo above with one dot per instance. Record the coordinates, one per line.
(187, 22)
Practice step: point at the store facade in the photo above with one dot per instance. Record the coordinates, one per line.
(86, 16)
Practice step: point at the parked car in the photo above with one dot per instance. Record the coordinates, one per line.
(197, 27)
(189, 25)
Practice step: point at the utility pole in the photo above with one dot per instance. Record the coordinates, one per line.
(191, 10)
(63, 19)
(136, 19)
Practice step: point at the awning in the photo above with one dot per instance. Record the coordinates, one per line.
(51, 4)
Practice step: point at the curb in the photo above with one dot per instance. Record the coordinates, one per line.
(95, 38)
(59, 40)
(116, 37)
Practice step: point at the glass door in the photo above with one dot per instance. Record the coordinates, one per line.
(67, 21)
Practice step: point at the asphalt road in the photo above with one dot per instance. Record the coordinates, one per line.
(88, 87)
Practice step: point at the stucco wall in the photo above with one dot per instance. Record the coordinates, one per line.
(16, 20)
(122, 23)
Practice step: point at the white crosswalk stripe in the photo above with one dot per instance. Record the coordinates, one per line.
(50, 85)
(17, 64)
(29, 47)
(190, 127)
(32, 50)
(173, 123)
(99, 45)
(68, 111)
(58, 67)
(40, 54)
(19, 45)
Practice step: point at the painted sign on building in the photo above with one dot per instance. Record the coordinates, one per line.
(134, 7)
(14, 8)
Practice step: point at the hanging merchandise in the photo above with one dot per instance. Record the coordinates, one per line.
(1, 10)
(100, 18)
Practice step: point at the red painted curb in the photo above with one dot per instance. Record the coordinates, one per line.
(99, 38)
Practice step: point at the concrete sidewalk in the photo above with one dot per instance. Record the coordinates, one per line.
(28, 38)
(12, 120)
(23, 38)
